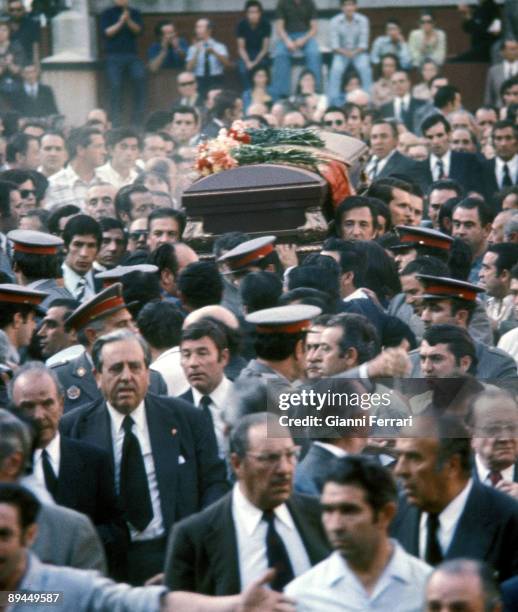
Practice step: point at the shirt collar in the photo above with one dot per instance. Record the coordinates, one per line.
(483, 472)
(138, 415)
(218, 396)
(511, 162)
(250, 516)
(445, 158)
(455, 508)
(334, 450)
(53, 450)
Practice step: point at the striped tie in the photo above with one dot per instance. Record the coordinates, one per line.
(79, 293)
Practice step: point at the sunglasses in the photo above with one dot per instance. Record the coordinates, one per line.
(138, 234)
(186, 83)
(334, 122)
(25, 193)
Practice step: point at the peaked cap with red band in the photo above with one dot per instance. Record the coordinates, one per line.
(246, 253)
(11, 293)
(442, 288)
(283, 319)
(414, 237)
(34, 243)
(106, 302)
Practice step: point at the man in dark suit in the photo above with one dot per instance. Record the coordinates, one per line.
(498, 73)
(259, 524)
(443, 513)
(465, 168)
(502, 171)
(104, 313)
(386, 160)
(493, 420)
(77, 475)
(403, 107)
(164, 451)
(34, 99)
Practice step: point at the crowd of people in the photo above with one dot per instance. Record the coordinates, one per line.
(155, 452)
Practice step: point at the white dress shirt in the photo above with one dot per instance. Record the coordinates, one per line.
(251, 538)
(510, 69)
(512, 164)
(401, 105)
(71, 280)
(54, 452)
(379, 164)
(155, 529)
(108, 173)
(448, 521)
(220, 398)
(483, 472)
(331, 586)
(446, 163)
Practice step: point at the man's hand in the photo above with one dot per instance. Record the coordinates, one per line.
(511, 488)
(288, 255)
(291, 45)
(258, 598)
(390, 362)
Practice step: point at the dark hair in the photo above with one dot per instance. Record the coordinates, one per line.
(116, 135)
(206, 328)
(276, 347)
(185, 110)
(433, 120)
(446, 184)
(6, 188)
(260, 290)
(8, 311)
(82, 225)
(161, 324)
(321, 276)
(123, 199)
(140, 287)
(18, 145)
(109, 223)
(239, 434)
(168, 213)
(24, 501)
(16, 176)
(457, 339)
(34, 266)
(357, 333)
(164, 257)
(445, 95)
(507, 84)
(350, 258)
(157, 120)
(504, 124)
(224, 101)
(309, 297)
(117, 336)
(351, 203)
(376, 481)
(80, 137)
(485, 214)
(159, 25)
(253, 3)
(454, 439)
(40, 182)
(389, 122)
(381, 274)
(200, 284)
(426, 264)
(507, 255)
(59, 213)
(227, 242)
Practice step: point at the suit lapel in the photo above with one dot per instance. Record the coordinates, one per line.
(164, 436)
(314, 541)
(96, 429)
(70, 465)
(222, 550)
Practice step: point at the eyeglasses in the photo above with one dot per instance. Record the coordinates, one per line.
(273, 459)
(332, 122)
(25, 193)
(138, 234)
(185, 83)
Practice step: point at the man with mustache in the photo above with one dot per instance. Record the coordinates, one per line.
(260, 524)
(367, 570)
(163, 450)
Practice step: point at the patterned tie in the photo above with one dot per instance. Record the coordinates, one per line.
(495, 477)
(79, 292)
(134, 486)
(374, 169)
(433, 553)
(507, 182)
(51, 482)
(440, 168)
(277, 554)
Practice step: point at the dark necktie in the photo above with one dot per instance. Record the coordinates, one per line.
(440, 167)
(205, 402)
(433, 553)
(374, 170)
(277, 554)
(206, 63)
(495, 477)
(134, 487)
(79, 293)
(507, 182)
(51, 481)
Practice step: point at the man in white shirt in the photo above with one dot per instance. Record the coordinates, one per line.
(494, 423)
(367, 570)
(259, 524)
(444, 513)
(82, 236)
(501, 72)
(502, 171)
(124, 149)
(204, 355)
(86, 150)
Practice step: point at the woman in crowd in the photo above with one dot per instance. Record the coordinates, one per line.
(259, 93)
(427, 42)
(428, 71)
(381, 92)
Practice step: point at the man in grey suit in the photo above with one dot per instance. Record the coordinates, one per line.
(499, 73)
(85, 591)
(65, 537)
